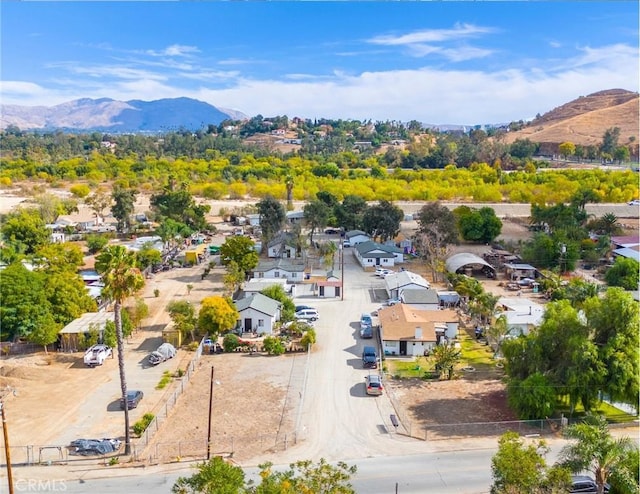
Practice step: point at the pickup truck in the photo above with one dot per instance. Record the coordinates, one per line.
(97, 354)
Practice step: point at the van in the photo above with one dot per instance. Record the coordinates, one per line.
(308, 315)
(369, 358)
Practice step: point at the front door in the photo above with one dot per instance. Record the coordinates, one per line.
(377, 261)
(322, 291)
(247, 325)
(337, 291)
(403, 348)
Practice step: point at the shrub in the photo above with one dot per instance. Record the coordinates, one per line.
(193, 346)
(96, 242)
(156, 293)
(141, 425)
(166, 379)
(230, 342)
(273, 345)
(308, 339)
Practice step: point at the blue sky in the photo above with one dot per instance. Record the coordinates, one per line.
(437, 62)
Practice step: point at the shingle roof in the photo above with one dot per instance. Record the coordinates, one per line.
(400, 321)
(281, 264)
(258, 302)
(403, 278)
(420, 296)
(366, 248)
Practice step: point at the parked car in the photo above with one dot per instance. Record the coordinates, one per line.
(635, 202)
(133, 399)
(366, 332)
(308, 315)
(346, 243)
(384, 272)
(97, 354)
(373, 384)
(90, 447)
(585, 485)
(332, 231)
(303, 307)
(365, 320)
(164, 352)
(369, 358)
(393, 301)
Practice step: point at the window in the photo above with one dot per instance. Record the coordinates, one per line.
(261, 323)
(276, 274)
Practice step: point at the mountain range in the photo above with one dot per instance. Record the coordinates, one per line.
(108, 115)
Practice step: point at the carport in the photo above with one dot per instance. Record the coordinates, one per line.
(69, 335)
(469, 264)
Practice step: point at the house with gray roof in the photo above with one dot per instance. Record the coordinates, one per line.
(396, 282)
(258, 313)
(283, 245)
(420, 298)
(280, 268)
(371, 254)
(356, 237)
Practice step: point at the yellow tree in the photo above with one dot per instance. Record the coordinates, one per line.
(217, 314)
(121, 278)
(567, 149)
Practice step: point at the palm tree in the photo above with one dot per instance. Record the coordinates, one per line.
(121, 278)
(596, 450)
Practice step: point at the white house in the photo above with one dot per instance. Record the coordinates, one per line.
(406, 331)
(404, 280)
(258, 313)
(253, 219)
(522, 314)
(372, 254)
(420, 298)
(256, 285)
(282, 246)
(295, 217)
(280, 268)
(356, 237)
(329, 287)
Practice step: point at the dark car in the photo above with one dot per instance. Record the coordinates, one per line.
(585, 485)
(369, 358)
(91, 447)
(366, 332)
(303, 307)
(332, 231)
(133, 398)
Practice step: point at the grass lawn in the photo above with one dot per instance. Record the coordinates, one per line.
(612, 413)
(475, 354)
(415, 367)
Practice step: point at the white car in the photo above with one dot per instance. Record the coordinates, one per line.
(383, 272)
(97, 354)
(307, 315)
(635, 202)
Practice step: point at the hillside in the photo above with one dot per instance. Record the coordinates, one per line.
(584, 120)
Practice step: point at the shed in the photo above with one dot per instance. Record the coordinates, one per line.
(70, 335)
(467, 263)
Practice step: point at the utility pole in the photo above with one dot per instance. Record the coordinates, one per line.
(210, 413)
(7, 451)
(342, 268)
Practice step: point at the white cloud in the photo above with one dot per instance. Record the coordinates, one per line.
(459, 31)
(174, 51)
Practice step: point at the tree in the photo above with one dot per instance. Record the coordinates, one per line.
(316, 216)
(138, 312)
(239, 249)
(593, 448)
(123, 206)
(24, 230)
(446, 356)
(272, 218)
(349, 213)
(215, 476)
(121, 279)
(519, 468)
(95, 242)
(308, 338)
(532, 398)
(67, 296)
(306, 477)
(183, 315)
(99, 201)
(216, 315)
(382, 220)
(179, 205)
(478, 225)
(434, 217)
(289, 184)
(276, 292)
(624, 273)
(233, 278)
(610, 140)
(567, 149)
(327, 251)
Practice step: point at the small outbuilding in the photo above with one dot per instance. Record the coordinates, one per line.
(469, 264)
(71, 334)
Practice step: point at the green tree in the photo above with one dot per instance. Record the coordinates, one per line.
(178, 204)
(446, 357)
(435, 217)
(567, 149)
(532, 398)
(67, 296)
(276, 292)
(215, 476)
(624, 273)
(138, 312)
(99, 201)
(610, 141)
(520, 468)
(230, 342)
(95, 242)
(216, 315)
(382, 220)
(240, 250)
(306, 477)
(308, 338)
(621, 154)
(272, 218)
(147, 256)
(316, 216)
(59, 257)
(183, 315)
(479, 225)
(233, 278)
(593, 448)
(121, 279)
(123, 206)
(24, 230)
(349, 213)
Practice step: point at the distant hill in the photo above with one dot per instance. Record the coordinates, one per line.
(107, 115)
(584, 120)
